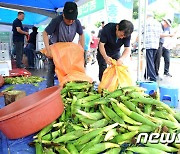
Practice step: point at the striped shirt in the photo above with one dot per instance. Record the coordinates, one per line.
(153, 31)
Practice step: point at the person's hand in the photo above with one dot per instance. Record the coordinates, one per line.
(108, 60)
(119, 62)
(26, 33)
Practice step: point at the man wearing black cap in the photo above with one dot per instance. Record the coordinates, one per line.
(63, 28)
(166, 24)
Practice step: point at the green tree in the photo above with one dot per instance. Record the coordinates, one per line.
(175, 4)
(98, 24)
(159, 16)
(135, 9)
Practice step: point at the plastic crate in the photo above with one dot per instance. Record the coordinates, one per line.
(150, 86)
(169, 95)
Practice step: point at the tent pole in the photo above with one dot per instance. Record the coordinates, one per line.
(144, 36)
(139, 39)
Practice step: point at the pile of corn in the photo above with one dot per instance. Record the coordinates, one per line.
(102, 123)
(24, 80)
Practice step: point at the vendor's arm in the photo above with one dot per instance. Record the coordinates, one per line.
(46, 43)
(80, 32)
(21, 31)
(103, 53)
(126, 53)
(49, 30)
(81, 40)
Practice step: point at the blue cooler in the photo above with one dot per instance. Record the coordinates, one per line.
(151, 86)
(169, 95)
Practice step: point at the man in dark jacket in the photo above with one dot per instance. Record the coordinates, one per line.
(114, 36)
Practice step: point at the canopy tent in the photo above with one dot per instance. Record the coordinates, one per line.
(44, 7)
(36, 11)
(8, 16)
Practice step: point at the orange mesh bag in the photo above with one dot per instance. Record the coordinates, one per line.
(68, 58)
(115, 76)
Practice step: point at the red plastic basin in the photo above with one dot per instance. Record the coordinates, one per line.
(31, 113)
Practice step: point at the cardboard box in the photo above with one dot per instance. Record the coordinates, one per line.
(4, 68)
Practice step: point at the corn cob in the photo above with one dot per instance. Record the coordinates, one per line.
(76, 127)
(39, 148)
(48, 151)
(169, 124)
(177, 116)
(164, 115)
(104, 114)
(112, 114)
(72, 149)
(161, 146)
(70, 136)
(93, 142)
(149, 117)
(63, 116)
(62, 150)
(90, 98)
(45, 131)
(94, 102)
(78, 86)
(110, 134)
(130, 105)
(135, 115)
(98, 148)
(124, 116)
(146, 150)
(85, 120)
(51, 135)
(115, 94)
(132, 88)
(92, 116)
(123, 137)
(160, 114)
(99, 124)
(80, 95)
(113, 151)
(152, 101)
(142, 128)
(147, 109)
(87, 137)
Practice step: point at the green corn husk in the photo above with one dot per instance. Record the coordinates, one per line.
(146, 150)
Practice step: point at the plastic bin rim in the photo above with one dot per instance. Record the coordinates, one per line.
(11, 115)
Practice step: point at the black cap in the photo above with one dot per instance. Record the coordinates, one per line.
(70, 11)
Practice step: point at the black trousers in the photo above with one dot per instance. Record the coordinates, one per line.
(166, 55)
(158, 58)
(19, 49)
(50, 73)
(102, 63)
